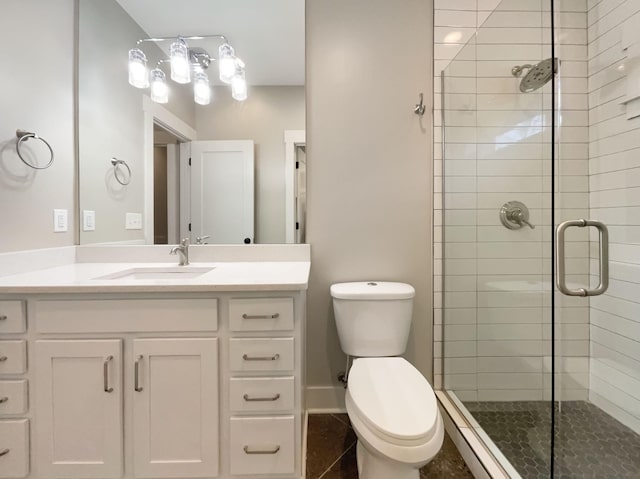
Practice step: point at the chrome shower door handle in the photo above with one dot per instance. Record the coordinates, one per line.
(604, 258)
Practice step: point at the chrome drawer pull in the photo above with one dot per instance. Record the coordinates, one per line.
(272, 451)
(105, 374)
(270, 398)
(261, 358)
(260, 316)
(4, 399)
(136, 375)
(3, 359)
(4, 452)
(3, 317)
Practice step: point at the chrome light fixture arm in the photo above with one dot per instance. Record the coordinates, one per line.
(194, 37)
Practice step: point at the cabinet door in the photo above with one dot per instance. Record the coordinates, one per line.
(79, 408)
(175, 407)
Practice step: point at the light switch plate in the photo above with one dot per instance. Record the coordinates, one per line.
(60, 221)
(88, 220)
(133, 221)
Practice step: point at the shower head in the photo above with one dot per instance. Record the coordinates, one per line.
(537, 76)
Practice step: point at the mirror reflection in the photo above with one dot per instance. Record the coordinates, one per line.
(170, 144)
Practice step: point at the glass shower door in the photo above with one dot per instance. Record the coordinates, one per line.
(597, 218)
(497, 236)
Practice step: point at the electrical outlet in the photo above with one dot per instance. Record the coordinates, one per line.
(88, 220)
(133, 221)
(60, 221)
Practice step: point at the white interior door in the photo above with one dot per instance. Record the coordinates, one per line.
(222, 191)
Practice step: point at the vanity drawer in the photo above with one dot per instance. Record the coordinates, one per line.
(14, 443)
(264, 354)
(261, 394)
(261, 314)
(13, 397)
(12, 317)
(262, 445)
(13, 357)
(126, 315)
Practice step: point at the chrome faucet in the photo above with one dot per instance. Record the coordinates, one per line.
(182, 251)
(200, 239)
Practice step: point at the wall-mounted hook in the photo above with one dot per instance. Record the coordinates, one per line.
(419, 108)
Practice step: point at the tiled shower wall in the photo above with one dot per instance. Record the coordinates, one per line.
(614, 168)
(496, 308)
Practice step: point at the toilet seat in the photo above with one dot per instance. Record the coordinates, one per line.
(394, 400)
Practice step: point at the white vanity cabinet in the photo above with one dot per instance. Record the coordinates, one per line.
(175, 407)
(78, 404)
(160, 385)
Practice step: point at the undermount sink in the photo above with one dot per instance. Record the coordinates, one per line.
(159, 272)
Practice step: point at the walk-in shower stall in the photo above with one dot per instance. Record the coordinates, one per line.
(540, 225)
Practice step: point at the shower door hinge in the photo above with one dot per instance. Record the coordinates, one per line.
(189, 226)
(189, 161)
(297, 165)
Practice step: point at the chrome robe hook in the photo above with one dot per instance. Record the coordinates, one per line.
(419, 108)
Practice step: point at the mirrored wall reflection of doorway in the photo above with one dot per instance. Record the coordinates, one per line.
(543, 363)
(166, 186)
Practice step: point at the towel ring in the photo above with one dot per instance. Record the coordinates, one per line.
(117, 171)
(24, 136)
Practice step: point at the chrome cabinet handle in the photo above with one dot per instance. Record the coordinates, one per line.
(4, 399)
(105, 374)
(3, 359)
(136, 375)
(260, 316)
(4, 452)
(261, 451)
(260, 358)
(604, 258)
(269, 398)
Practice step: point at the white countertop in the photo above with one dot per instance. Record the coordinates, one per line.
(225, 276)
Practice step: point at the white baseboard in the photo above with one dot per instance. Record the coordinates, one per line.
(325, 399)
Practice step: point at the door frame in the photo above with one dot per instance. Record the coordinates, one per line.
(156, 113)
(292, 139)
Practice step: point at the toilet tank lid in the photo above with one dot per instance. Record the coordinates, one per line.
(372, 290)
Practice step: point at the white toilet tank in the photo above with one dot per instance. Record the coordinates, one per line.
(373, 318)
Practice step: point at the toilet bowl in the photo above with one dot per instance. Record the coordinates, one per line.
(392, 407)
(394, 413)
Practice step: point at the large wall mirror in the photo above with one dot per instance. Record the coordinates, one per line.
(155, 162)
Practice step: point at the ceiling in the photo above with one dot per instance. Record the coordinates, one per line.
(267, 34)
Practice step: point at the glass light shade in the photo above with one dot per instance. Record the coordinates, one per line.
(239, 84)
(180, 66)
(226, 63)
(201, 90)
(159, 88)
(138, 74)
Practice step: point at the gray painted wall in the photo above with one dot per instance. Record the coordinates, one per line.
(369, 163)
(37, 95)
(263, 118)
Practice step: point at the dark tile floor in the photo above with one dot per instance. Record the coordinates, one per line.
(331, 452)
(590, 444)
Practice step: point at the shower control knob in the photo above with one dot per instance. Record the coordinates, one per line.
(515, 215)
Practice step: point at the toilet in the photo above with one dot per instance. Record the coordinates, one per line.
(391, 405)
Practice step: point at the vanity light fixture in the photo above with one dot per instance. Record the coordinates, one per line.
(188, 64)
